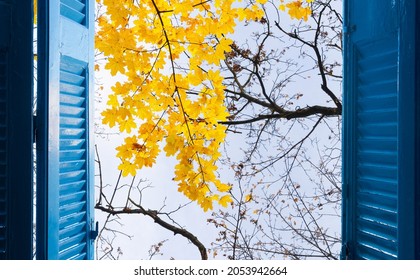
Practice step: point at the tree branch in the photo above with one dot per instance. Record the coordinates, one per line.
(154, 215)
(299, 113)
(320, 62)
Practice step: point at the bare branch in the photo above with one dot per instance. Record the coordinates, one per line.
(155, 216)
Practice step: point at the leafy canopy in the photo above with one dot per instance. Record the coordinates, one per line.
(171, 94)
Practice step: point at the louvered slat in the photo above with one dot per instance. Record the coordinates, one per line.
(377, 147)
(72, 177)
(70, 133)
(73, 9)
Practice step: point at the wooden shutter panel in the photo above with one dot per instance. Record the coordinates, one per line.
(379, 125)
(16, 76)
(64, 150)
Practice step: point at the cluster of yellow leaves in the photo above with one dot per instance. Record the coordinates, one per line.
(172, 94)
(297, 9)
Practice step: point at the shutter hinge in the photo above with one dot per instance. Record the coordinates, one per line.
(349, 29)
(345, 251)
(94, 233)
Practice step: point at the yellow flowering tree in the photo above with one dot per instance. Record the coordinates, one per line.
(172, 99)
(193, 74)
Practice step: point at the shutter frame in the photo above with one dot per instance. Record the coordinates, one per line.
(417, 130)
(407, 118)
(65, 145)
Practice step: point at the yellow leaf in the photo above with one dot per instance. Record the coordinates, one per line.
(109, 117)
(222, 187)
(127, 168)
(207, 203)
(113, 101)
(225, 200)
(127, 125)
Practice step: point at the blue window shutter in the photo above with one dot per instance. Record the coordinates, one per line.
(64, 149)
(379, 124)
(16, 76)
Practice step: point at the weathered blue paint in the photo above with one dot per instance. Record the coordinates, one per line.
(379, 147)
(16, 76)
(64, 149)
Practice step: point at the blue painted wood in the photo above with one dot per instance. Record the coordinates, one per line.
(73, 9)
(16, 76)
(65, 152)
(417, 132)
(379, 166)
(408, 165)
